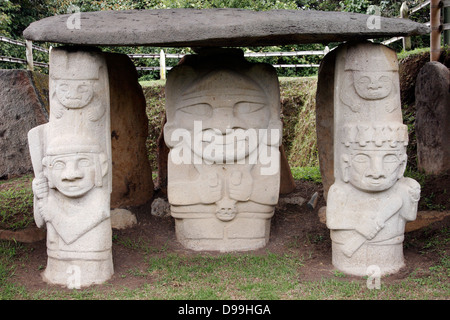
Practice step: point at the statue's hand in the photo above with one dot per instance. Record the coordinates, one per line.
(40, 186)
(210, 189)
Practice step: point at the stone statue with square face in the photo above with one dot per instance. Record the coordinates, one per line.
(370, 201)
(71, 158)
(223, 128)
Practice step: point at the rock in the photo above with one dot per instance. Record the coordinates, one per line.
(425, 218)
(287, 182)
(433, 118)
(22, 108)
(216, 27)
(160, 208)
(132, 177)
(324, 119)
(122, 219)
(293, 198)
(322, 213)
(27, 235)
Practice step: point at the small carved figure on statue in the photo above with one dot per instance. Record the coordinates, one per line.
(76, 87)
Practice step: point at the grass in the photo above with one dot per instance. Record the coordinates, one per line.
(169, 275)
(307, 174)
(16, 203)
(240, 276)
(248, 276)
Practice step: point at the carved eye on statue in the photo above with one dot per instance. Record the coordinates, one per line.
(84, 162)
(246, 107)
(385, 80)
(361, 158)
(390, 158)
(59, 165)
(82, 88)
(201, 109)
(63, 87)
(364, 81)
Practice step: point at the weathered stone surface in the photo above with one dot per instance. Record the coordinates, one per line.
(324, 119)
(224, 132)
(291, 199)
(132, 183)
(22, 107)
(71, 157)
(287, 183)
(370, 201)
(28, 235)
(122, 219)
(160, 208)
(433, 118)
(216, 27)
(425, 218)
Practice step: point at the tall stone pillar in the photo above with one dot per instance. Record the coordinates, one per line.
(370, 201)
(224, 131)
(71, 157)
(433, 118)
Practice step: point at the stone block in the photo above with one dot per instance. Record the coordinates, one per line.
(22, 107)
(224, 132)
(433, 118)
(370, 201)
(132, 183)
(71, 158)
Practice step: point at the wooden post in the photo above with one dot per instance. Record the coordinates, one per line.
(435, 24)
(162, 65)
(29, 54)
(404, 14)
(447, 22)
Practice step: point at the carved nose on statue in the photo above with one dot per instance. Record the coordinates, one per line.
(223, 119)
(374, 85)
(72, 172)
(73, 95)
(376, 171)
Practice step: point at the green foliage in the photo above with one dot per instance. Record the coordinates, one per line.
(307, 174)
(16, 204)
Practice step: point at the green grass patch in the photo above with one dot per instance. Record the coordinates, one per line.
(16, 203)
(307, 174)
(404, 54)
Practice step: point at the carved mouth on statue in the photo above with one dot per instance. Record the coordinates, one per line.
(217, 151)
(74, 190)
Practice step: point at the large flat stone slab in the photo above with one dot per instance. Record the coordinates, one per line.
(216, 27)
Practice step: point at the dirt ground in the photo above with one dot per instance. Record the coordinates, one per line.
(294, 230)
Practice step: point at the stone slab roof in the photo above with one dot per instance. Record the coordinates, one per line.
(215, 27)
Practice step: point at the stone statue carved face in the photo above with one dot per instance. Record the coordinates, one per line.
(372, 85)
(226, 116)
(373, 170)
(74, 94)
(73, 174)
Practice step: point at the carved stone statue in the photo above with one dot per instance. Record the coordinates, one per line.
(71, 158)
(370, 201)
(223, 128)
